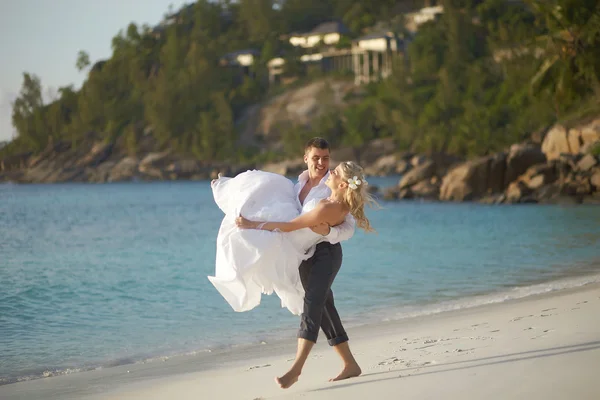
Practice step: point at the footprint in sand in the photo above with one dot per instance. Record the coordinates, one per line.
(543, 334)
(465, 351)
(390, 361)
(537, 337)
(401, 349)
(520, 318)
(258, 366)
(448, 339)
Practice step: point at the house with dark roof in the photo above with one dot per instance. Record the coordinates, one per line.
(380, 41)
(239, 58)
(419, 17)
(328, 33)
(374, 55)
(370, 57)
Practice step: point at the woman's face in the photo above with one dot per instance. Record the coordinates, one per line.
(335, 178)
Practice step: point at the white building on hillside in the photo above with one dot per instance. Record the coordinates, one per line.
(414, 19)
(328, 33)
(373, 56)
(241, 59)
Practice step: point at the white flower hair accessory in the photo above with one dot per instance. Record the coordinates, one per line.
(354, 182)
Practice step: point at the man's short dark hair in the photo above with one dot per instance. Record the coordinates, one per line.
(316, 142)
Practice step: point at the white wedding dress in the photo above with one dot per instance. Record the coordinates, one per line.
(249, 261)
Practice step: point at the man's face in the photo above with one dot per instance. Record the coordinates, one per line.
(317, 161)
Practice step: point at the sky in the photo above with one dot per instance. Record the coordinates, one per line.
(43, 37)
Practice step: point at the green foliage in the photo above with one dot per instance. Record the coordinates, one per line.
(29, 114)
(131, 140)
(294, 137)
(482, 76)
(83, 60)
(293, 67)
(570, 65)
(344, 43)
(450, 95)
(359, 126)
(259, 19)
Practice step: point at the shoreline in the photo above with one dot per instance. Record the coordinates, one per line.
(389, 314)
(273, 357)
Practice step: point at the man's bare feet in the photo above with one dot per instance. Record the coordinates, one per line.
(349, 371)
(288, 379)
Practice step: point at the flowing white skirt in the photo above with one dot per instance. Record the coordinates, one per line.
(251, 262)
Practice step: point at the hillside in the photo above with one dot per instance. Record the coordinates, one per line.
(94, 160)
(199, 92)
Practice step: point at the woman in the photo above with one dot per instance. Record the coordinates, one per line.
(275, 236)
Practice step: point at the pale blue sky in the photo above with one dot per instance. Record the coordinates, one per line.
(43, 37)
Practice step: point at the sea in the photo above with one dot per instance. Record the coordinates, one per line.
(99, 275)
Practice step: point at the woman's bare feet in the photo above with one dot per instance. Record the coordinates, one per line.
(349, 371)
(288, 379)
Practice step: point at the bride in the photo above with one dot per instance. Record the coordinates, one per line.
(266, 233)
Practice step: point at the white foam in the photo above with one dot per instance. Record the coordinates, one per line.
(517, 292)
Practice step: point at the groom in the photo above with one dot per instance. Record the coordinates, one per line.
(318, 272)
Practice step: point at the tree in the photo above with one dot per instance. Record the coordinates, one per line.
(83, 60)
(571, 61)
(28, 113)
(304, 15)
(447, 93)
(259, 18)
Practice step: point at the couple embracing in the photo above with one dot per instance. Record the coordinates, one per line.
(285, 238)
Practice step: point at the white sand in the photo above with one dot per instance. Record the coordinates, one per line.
(541, 347)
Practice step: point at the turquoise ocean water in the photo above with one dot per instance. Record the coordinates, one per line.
(93, 276)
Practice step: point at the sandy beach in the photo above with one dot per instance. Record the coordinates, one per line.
(541, 347)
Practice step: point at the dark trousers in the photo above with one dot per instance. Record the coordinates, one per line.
(317, 274)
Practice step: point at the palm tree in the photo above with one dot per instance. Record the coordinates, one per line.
(570, 65)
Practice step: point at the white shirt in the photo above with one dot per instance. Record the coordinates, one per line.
(337, 233)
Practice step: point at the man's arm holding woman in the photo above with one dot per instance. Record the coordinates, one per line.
(343, 231)
(323, 213)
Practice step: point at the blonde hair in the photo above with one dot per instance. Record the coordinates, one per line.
(357, 198)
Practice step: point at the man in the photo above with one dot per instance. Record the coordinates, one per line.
(318, 272)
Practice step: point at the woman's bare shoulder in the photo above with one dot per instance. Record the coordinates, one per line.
(332, 208)
(325, 203)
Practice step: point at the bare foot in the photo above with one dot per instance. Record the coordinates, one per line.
(349, 371)
(288, 379)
